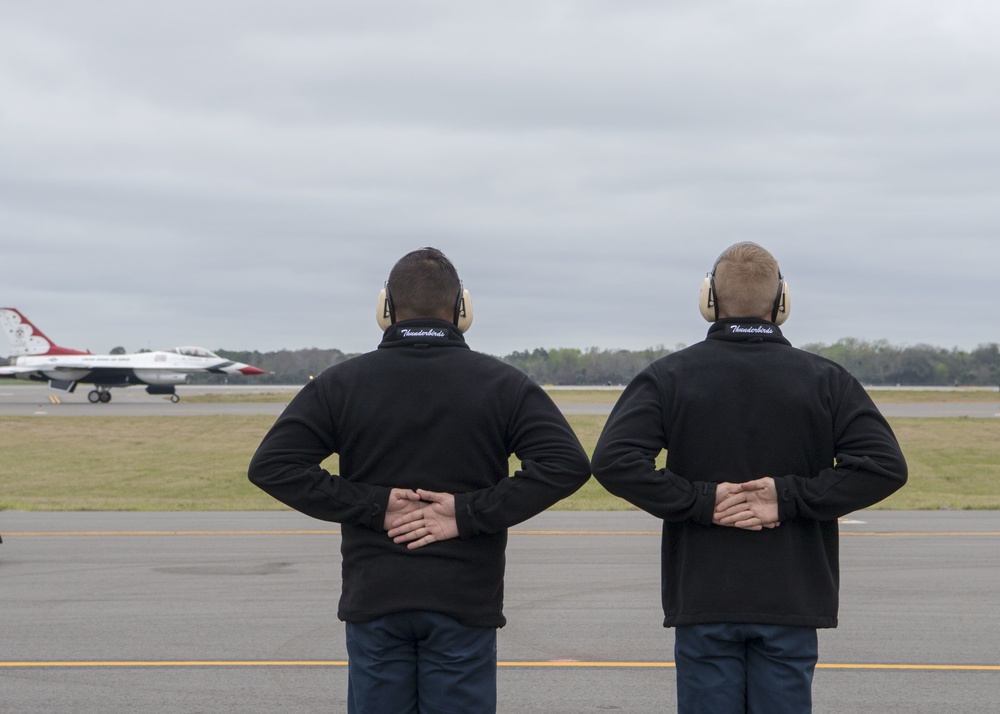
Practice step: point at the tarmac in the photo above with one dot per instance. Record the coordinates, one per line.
(183, 613)
(37, 399)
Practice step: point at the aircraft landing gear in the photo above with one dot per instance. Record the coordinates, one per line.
(101, 394)
(175, 398)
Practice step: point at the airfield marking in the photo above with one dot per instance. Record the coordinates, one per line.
(864, 534)
(546, 664)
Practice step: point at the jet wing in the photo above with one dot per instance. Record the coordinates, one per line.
(14, 371)
(28, 369)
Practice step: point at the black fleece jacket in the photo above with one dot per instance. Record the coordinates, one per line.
(422, 411)
(742, 405)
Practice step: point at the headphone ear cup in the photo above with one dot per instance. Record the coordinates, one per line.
(463, 312)
(383, 310)
(782, 305)
(706, 300)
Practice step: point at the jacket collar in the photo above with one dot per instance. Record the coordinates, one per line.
(746, 329)
(423, 331)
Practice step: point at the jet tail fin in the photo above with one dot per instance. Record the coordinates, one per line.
(26, 339)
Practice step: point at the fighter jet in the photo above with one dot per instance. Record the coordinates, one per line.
(35, 357)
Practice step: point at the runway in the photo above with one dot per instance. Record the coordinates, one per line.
(20, 399)
(39, 400)
(176, 613)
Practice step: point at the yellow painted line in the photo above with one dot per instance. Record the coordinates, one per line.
(548, 664)
(191, 663)
(26, 534)
(54, 399)
(293, 532)
(866, 534)
(921, 667)
(911, 534)
(843, 533)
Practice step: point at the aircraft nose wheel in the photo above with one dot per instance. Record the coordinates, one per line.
(174, 398)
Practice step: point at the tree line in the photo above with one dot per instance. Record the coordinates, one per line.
(879, 363)
(872, 363)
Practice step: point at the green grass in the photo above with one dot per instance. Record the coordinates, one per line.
(130, 464)
(199, 463)
(592, 497)
(953, 463)
(929, 396)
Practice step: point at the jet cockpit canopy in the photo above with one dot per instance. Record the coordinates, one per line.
(194, 352)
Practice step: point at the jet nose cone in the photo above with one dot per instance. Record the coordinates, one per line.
(248, 370)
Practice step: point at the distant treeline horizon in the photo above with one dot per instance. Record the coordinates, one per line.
(875, 363)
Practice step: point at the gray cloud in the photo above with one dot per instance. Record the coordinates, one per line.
(244, 177)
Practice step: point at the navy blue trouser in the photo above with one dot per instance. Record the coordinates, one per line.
(421, 663)
(744, 669)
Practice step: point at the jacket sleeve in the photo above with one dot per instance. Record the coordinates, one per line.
(869, 464)
(553, 466)
(625, 456)
(287, 466)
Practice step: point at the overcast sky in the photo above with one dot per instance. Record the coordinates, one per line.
(243, 174)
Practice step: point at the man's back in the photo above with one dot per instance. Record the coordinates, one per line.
(429, 413)
(766, 447)
(424, 428)
(744, 405)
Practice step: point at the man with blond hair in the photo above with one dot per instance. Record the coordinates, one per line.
(766, 446)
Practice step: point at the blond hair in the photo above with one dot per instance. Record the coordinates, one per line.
(746, 282)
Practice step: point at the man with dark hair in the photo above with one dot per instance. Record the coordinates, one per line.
(424, 428)
(767, 446)
(424, 284)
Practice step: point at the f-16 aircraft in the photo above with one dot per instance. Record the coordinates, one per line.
(35, 357)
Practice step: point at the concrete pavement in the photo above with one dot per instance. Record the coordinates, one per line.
(20, 399)
(120, 613)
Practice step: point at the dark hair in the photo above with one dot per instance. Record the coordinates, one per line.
(424, 283)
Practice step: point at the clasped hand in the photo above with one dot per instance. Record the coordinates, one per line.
(752, 505)
(420, 517)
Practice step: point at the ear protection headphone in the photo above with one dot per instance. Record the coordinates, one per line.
(385, 311)
(709, 305)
